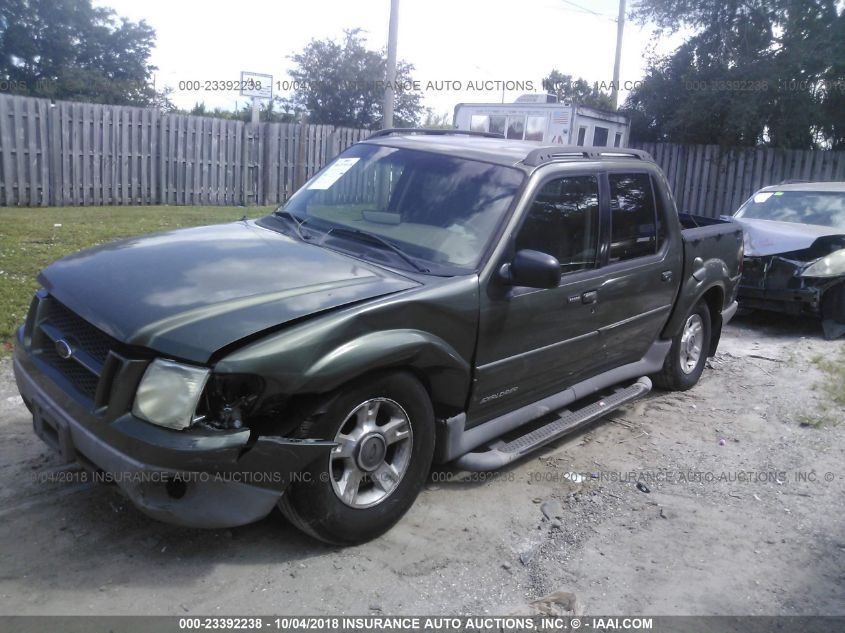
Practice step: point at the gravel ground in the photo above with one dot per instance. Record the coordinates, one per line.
(740, 517)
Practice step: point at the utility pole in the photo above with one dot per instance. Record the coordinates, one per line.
(255, 110)
(389, 93)
(620, 26)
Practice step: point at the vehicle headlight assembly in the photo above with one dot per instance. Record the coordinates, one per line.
(829, 266)
(168, 393)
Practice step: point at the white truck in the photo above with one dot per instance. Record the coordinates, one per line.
(531, 118)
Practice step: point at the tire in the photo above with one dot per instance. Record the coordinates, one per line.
(385, 428)
(686, 359)
(833, 312)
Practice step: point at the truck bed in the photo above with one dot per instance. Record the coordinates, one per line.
(712, 250)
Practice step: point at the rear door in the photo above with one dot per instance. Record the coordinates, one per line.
(642, 266)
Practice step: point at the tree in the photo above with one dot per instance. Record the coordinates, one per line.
(754, 73)
(442, 121)
(68, 49)
(578, 91)
(343, 84)
(275, 111)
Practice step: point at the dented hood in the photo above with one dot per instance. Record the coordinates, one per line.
(190, 292)
(769, 237)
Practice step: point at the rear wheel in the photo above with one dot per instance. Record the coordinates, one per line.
(384, 430)
(685, 362)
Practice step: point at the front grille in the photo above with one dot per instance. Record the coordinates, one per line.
(77, 330)
(83, 380)
(59, 329)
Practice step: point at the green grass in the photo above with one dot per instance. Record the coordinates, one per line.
(834, 367)
(30, 240)
(833, 386)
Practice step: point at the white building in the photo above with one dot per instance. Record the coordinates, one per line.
(532, 119)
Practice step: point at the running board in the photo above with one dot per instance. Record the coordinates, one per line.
(567, 421)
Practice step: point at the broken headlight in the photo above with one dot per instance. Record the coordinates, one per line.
(829, 266)
(169, 393)
(227, 401)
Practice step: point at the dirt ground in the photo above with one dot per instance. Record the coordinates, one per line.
(751, 525)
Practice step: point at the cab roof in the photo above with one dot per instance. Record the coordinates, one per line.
(495, 149)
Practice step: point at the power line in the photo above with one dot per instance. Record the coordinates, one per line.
(583, 9)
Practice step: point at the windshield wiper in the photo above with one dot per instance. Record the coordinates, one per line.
(378, 239)
(297, 223)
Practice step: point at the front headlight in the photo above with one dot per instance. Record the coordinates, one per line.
(828, 266)
(169, 392)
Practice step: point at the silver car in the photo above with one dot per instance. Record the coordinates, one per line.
(795, 251)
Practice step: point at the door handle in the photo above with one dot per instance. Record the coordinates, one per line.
(666, 275)
(591, 296)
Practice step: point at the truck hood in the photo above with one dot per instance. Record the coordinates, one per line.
(768, 237)
(188, 293)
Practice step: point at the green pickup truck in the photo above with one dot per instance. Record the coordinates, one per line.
(428, 297)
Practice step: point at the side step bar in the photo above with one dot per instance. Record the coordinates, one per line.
(504, 453)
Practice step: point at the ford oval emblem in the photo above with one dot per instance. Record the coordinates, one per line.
(63, 349)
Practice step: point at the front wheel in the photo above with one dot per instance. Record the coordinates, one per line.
(833, 312)
(685, 362)
(384, 430)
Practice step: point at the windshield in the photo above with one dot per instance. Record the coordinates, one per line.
(824, 208)
(438, 209)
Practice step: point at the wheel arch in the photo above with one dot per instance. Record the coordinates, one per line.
(714, 298)
(440, 369)
(713, 295)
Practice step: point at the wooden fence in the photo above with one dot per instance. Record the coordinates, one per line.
(711, 180)
(68, 154)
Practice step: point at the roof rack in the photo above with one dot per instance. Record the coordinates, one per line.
(549, 154)
(431, 132)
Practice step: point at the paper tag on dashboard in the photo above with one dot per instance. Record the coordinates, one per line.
(333, 173)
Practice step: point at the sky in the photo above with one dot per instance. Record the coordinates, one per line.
(450, 42)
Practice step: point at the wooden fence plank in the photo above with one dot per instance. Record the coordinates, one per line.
(18, 130)
(6, 152)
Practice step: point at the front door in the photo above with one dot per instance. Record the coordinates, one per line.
(533, 342)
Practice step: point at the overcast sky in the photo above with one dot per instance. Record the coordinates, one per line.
(447, 41)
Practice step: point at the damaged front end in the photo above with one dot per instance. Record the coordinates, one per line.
(808, 281)
(186, 445)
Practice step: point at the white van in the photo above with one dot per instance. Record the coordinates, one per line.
(561, 123)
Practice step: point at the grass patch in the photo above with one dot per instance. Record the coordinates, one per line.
(833, 367)
(30, 240)
(818, 421)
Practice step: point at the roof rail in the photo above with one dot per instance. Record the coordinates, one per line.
(431, 132)
(543, 155)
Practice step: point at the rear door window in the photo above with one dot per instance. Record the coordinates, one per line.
(633, 217)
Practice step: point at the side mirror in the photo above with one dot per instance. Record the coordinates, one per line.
(532, 269)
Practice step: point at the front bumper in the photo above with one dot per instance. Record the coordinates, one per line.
(802, 300)
(196, 479)
(775, 283)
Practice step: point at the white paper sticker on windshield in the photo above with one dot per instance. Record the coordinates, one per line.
(333, 173)
(760, 198)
